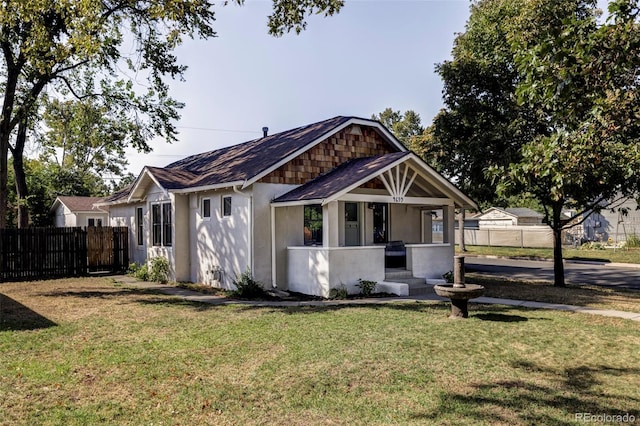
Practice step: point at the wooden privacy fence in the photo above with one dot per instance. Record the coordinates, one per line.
(36, 253)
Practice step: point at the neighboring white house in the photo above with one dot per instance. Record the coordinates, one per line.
(496, 217)
(78, 211)
(306, 210)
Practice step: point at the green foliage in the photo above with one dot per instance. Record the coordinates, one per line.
(367, 287)
(592, 245)
(339, 293)
(156, 270)
(140, 272)
(247, 287)
(542, 99)
(448, 276)
(633, 240)
(159, 269)
(406, 127)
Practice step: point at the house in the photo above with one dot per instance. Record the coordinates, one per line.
(497, 217)
(608, 225)
(306, 210)
(78, 211)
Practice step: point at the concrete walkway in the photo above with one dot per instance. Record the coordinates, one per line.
(194, 296)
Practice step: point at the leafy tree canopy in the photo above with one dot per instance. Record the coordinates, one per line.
(541, 99)
(406, 127)
(89, 48)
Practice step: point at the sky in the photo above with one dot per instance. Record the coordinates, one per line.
(374, 54)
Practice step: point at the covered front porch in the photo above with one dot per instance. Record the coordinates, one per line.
(336, 230)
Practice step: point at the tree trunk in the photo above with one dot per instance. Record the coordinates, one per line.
(558, 265)
(22, 191)
(461, 245)
(5, 133)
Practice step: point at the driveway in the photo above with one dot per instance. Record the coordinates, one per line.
(575, 273)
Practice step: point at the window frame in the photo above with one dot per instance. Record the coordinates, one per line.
(310, 226)
(162, 224)
(97, 222)
(140, 226)
(205, 209)
(227, 210)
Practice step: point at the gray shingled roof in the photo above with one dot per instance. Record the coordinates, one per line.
(243, 161)
(523, 212)
(340, 178)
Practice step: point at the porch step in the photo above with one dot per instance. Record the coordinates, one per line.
(396, 274)
(416, 285)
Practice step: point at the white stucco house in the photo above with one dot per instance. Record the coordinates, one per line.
(78, 211)
(307, 210)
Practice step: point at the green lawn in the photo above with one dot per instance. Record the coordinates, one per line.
(86, 351)
(631, 255)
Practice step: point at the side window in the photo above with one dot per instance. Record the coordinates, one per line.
(206, 208)
(226, 206)
(140, 226)
(166, 224)
(91, 222)
(156, 224)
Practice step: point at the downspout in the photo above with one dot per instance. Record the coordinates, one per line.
(249, 225)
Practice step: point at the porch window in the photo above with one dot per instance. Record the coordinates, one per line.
(139, 225)
(161, 224)
(313, 224)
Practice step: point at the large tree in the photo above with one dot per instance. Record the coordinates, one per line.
(482, 123)
(582, 77)
(79, 46)
(541, 100)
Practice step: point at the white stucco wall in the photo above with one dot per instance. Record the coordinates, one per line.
(289, 232)
(181, 246)
(124, 215)
(286, 234)
(220, 250)
(316, 270)
(64, 217)
(430, 260)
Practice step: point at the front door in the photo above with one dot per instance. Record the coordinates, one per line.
(351, 225)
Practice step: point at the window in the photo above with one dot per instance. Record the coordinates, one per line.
(156, 224)
(140, 225)
(206, 208)
(92, 221)
(161, 224)
(166, 224)
(313, 225)
(226, 206)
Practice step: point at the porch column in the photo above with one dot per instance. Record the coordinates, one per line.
(330, 225)
(448, 218)
(427, 227)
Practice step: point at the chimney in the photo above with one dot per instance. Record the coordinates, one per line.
(265, 132)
